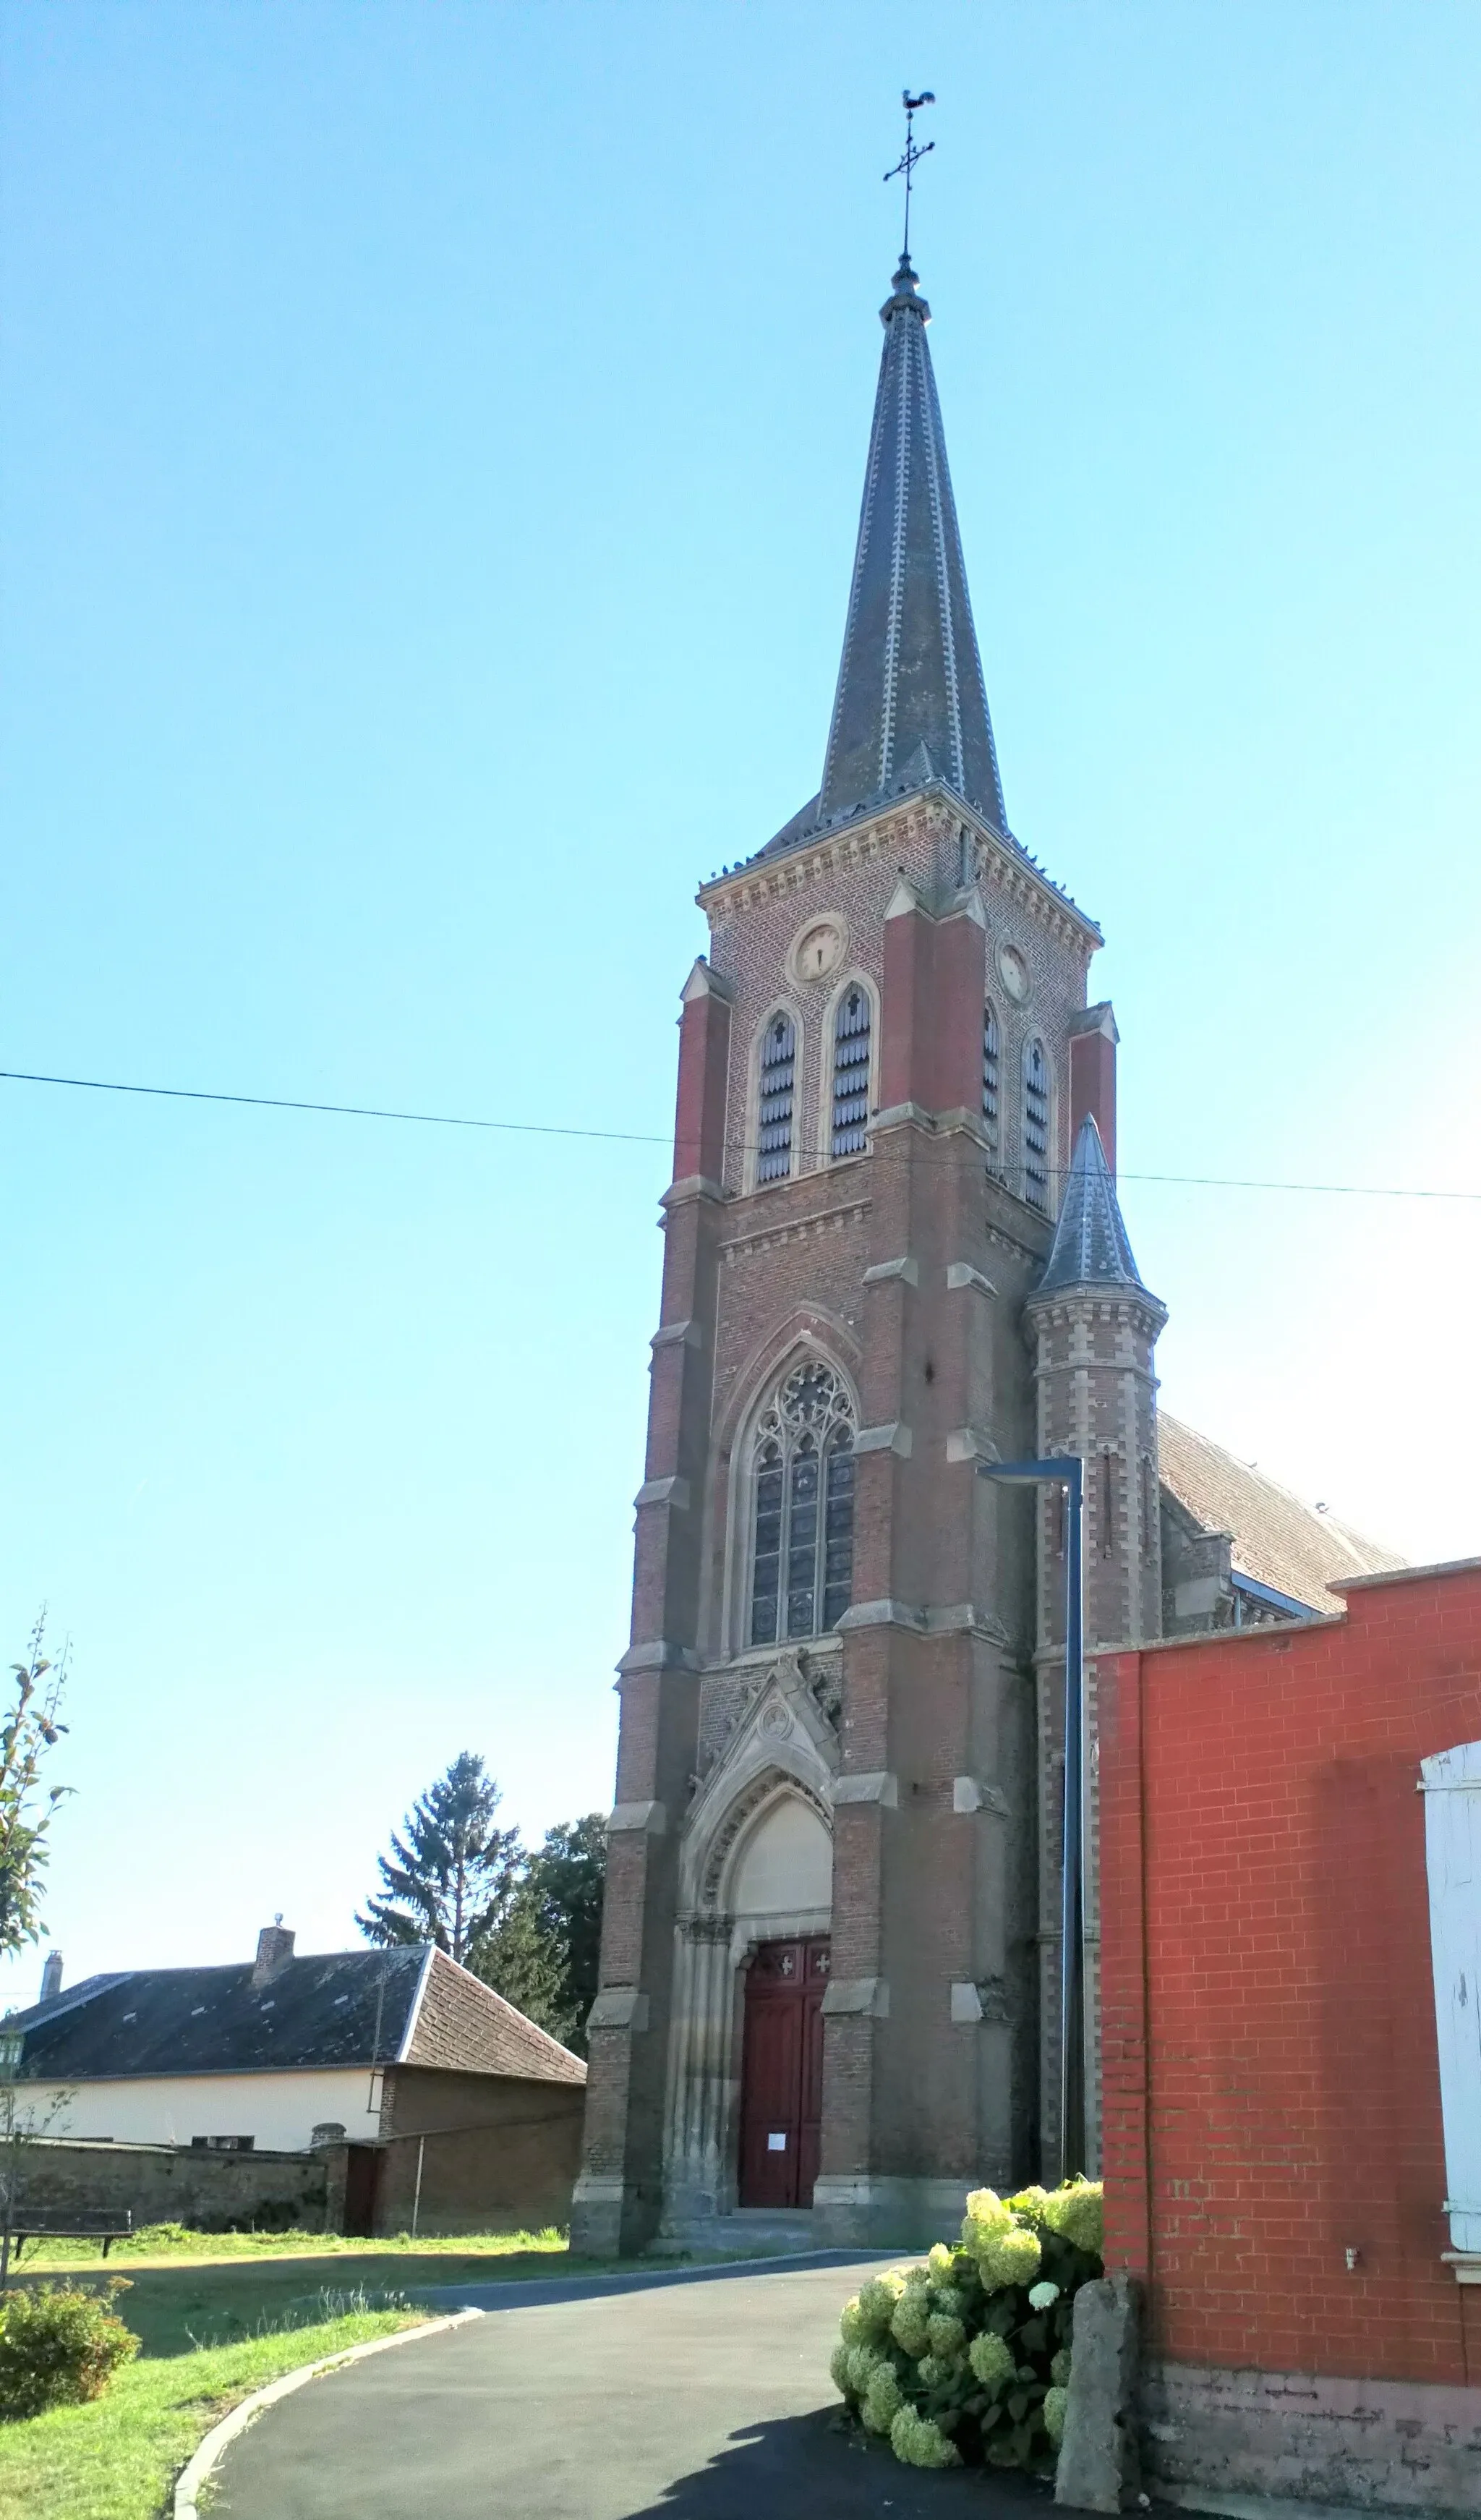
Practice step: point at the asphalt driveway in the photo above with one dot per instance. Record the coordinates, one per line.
(699, 2396)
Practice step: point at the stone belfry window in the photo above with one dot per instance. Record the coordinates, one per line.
(990, 1051)
(802, 1537)
(779, 1073)
(1036, 1126)
(851, 1034)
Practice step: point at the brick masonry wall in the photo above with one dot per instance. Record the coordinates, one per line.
(906, 1267)
(175, 2184)
(499, 2154)
(1271, 2080)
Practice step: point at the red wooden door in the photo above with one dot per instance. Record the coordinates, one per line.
(781, 2072)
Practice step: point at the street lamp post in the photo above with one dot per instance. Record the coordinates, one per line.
(1068, 1470)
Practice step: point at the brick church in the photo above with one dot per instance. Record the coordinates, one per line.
(893, 1250)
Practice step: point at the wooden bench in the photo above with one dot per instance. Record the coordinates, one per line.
(105, 2222)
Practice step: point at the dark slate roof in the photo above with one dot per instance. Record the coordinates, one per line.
(1090, 1246)
(321, 2010)
(910, 705)
(409, 2005)
(1275, 1536)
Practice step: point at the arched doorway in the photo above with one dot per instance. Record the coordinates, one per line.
(785, 1870)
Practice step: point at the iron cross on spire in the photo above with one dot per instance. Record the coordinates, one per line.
(913, 156)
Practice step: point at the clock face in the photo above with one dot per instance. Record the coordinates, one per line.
(819, 949)
(1012, 970)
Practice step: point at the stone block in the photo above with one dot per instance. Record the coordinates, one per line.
(1100, 2461)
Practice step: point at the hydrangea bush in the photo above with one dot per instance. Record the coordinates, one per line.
(966, 2357)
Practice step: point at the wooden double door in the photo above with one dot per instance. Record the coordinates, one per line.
(782, 2072)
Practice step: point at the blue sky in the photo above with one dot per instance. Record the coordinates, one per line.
(433, 446)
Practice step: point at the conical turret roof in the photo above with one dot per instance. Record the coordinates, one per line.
(1090, 1246)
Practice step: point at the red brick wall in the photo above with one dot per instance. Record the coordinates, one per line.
(1271, 2083)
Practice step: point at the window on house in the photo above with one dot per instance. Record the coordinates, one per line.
(1036, 1126)
(851, 1033)
(803, 1545)
(1148, 1506)
(779, 1068)
(990, 1049)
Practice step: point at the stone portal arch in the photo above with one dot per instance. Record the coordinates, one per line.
(758, 1868)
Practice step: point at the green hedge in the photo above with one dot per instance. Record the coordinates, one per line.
(966, 2357)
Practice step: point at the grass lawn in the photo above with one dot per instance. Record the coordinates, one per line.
(170, 2243)
(117, 2459)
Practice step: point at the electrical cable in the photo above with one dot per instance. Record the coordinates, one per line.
(642, 1138)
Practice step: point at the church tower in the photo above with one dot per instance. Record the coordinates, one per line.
(826, 1931)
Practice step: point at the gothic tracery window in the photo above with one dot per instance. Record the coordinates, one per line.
(851, 1039)
(1036, 1126)
(775, 1107)
(802, 1554)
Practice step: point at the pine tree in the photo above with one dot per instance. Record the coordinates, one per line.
(453, 1876)
(545, 1955)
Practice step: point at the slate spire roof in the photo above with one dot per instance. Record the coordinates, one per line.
(1090, 1246)
(910, 704)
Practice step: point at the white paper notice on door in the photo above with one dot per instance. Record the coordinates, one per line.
(776, 2143)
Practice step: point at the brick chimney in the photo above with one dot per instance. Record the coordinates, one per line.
(51, 1977)
(275, 1949)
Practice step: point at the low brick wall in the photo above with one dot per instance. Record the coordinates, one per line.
(166, 2183)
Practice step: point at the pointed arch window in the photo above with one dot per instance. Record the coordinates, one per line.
(775, 1107)
(1036, 1126)
(802, 1554)
(991, 1047)
(852, 1026)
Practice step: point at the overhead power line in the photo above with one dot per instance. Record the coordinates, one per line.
(648, 1138)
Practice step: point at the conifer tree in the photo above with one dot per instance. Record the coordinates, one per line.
(452, 1874)
(544, 1956)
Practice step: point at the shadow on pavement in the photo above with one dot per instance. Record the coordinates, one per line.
(529, 2294)
(813, 2467)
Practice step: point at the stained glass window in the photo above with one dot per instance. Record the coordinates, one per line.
(802, 1551)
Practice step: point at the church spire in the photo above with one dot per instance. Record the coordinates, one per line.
(911, 702)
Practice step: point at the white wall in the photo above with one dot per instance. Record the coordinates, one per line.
(278, 2110)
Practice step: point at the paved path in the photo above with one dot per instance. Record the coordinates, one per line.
(699, 2396)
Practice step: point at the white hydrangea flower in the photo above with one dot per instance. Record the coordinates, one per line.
(1043, 2296)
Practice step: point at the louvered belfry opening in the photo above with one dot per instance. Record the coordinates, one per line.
(778, 1070)
(851, 1045)
(1036, 1126)
(990, 1051)
(802, 1557)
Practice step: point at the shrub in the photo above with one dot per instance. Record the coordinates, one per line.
(59, 2345)
(966, 2358)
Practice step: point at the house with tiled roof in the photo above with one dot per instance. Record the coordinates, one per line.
(397, 2056)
